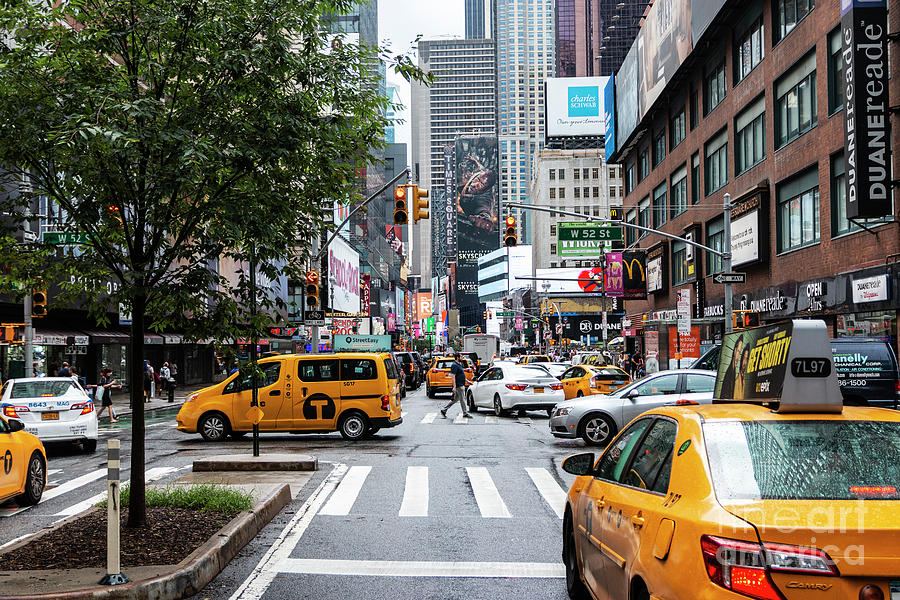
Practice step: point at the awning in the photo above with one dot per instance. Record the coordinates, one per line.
(108, 337)
(173, 338)
(153, 339)
(59, 337)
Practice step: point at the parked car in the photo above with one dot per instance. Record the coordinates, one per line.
(597, 419)
(55, 409)
(410, 368)
(25, 464)
(515, 387)
(423, 366)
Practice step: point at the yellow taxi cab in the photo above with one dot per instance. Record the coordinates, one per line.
(534, 358)
(585, 380)
(438, 377)
(354, 393)
(791, 497)
(24, 464)
(469, 368)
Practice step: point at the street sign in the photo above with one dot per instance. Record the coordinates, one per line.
(730, 278)
(683, 306)
(589, 231)
(506, 313)
(255, 415)
(65, 238)
(314, 318)
(559, 328)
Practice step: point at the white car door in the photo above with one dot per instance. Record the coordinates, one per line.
(482, 393)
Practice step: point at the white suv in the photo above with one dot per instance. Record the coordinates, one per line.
(55, 409)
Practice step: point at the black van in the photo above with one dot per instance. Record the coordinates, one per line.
(866, 370)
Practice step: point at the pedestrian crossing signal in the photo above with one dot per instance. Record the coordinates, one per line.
(312, 290)
(401, 215)
(511, 236)
(744, 319)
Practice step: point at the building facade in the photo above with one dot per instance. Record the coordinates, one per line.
(476, 19)
(593, 36)
(756, 111)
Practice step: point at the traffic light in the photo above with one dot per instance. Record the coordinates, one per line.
(312, 290)
(510, 238)
(38, 303)
(115, 213)
(12, 333)
(401, 215)
(744, 319)
(419, 203)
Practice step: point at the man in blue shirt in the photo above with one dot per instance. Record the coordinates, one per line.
(458, 380)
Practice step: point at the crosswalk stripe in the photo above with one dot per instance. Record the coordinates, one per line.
(344, 496)
(460, 419)
(491, 419)
(488, 498)
(429, 418)
(386, 568)
(525, 420)
(415, 494)
(53, 471)
(151, 475)
(553, 494)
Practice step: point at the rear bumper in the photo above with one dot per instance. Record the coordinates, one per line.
(533, 401)
(65, 431)
(385, 422)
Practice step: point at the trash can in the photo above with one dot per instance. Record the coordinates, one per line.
(170, 386)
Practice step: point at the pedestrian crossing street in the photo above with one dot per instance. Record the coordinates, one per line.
(416, 484)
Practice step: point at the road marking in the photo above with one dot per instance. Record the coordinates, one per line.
(385, 568)
(525, 420)
(415, 494)
(345, 495)
(14, 540)
(488, 498)
(266, 570)
(163, 424)
(429, 418)
(553, 494)
(492, 419)
(403, 413)
(151, 475)
(53, 471)
(460, 419)
(58, 491)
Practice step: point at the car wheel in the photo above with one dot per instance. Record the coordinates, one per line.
(429, 392)
(471, 402)
(89, 446)
(498, 406)
(236, 435)
(34, 481)
(574, 586)
(353, 426)
(214, 427)
(597, 430)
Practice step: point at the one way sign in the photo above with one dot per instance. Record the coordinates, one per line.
(730, 278)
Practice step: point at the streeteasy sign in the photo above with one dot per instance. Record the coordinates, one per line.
(362, 343)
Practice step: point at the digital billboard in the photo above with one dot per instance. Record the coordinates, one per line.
(343, 277)
(575, 106)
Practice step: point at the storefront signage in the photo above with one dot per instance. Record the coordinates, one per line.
(871, 289)
(715, 310)
(864, 40)
(683, 306)
(574, 327)
(363, 343)
(656, 269)
(815, 295)
(634, 271)
(365, 290)
(745, 232)
(343, 277)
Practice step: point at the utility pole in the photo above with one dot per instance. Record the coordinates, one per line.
(29, 339)
(726, 264)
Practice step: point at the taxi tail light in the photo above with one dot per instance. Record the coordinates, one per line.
(595, 381)
(555, 386)
(738, 566)
(86, 408)
(897, 386)
(519, 387)
(685, 402)
(13, 411)
(385, 402)
(799, 559)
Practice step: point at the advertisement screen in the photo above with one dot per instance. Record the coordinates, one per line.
(477, 216)
(634, 272)
(575, 106)
(752, 363)
(609, 115)
(343, 277)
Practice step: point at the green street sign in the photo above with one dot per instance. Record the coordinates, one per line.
(506, 313)
(65, 238)
(590, 231)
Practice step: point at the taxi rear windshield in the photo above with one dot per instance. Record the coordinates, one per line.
(443, 364)
(804, 460)
(41, 389)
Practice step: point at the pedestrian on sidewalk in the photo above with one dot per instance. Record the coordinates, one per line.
(64, 371)
(148, 381)
(458, 379)
(164, 374)
(103, 393)
(173, 373)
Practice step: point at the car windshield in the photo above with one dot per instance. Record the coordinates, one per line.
(796, 460)
(41, 389)
(611, 371)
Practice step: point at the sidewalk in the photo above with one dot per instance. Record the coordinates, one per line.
(157, 405)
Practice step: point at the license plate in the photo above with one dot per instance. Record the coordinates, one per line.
(895, 590)
(538, 390)
(50, 416)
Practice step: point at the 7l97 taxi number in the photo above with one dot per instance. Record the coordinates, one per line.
(810, 367)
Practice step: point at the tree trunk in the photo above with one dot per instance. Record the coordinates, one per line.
(137, 506)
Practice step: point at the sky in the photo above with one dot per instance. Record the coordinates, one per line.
(399, 22)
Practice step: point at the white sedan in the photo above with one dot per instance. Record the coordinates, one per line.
(515, 387)
(55, 409)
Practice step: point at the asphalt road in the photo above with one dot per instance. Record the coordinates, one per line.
(435, 508)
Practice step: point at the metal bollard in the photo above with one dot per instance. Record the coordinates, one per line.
(170, 387)
(113, 510)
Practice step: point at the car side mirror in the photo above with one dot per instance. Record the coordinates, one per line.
(632, 394)
(15, 425)
(579, 464)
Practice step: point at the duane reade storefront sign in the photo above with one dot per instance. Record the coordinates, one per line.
(871, 289)
(864, 40)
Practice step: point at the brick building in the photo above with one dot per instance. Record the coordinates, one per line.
(750, 103)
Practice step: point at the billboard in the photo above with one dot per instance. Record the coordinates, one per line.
(477, 211)
(449, 207)
(867, 144)
(343, 277)
(609, 115)
(752, 363)
(575, 106)
(634, 274)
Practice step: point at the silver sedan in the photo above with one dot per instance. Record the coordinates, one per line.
(515, 387)
(597, 419)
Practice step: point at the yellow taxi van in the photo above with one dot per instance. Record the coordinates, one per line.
(24, 462)
(354, 393)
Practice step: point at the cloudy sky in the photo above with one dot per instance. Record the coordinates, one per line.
(400, 21)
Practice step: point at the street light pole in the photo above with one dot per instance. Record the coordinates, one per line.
(726, 264)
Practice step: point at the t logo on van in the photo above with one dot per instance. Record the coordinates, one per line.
(318, 407)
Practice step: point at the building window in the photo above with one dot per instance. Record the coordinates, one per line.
(695, 178)
(552, 248)
(562, 193)
(644, 214)
(595, 173)
(798, 211)
(552, 174)
(679, 263)
(659, 148)
(714, 87)
(750, 136)
(835, 73)
(577, 193)
(715, 239)
(788, 13)
(630, 180)
(596, 193)
(695, 108)
(716, 162)
(552, 195)
(795, 101)
(643, 164)
(553, 230)
(676, 129)
(679, 200)
(660, 216)
(576, 174)
(631, 233)
(586, 192)
(585, 173)
(749, 51)
(562, 174)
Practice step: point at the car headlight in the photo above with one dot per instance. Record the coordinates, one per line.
(192, 397)
(563, 411)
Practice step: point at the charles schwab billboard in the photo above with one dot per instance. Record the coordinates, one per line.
(575, 106)
(343, 277)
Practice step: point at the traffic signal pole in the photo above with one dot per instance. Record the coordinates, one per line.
(29, 339)
(726, 264)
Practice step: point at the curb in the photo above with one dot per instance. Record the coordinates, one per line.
(193, 573)
(271, 462)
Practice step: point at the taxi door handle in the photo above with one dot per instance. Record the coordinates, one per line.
(637, 520)
(303, 391)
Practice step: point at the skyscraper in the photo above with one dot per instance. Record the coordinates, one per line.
(525, 59)
(593, 36)
(475, 19)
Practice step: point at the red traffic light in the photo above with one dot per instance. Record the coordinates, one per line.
(510, 221)
(312, 276)
(400, 192)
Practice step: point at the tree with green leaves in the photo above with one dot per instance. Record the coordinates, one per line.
(181, 136)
